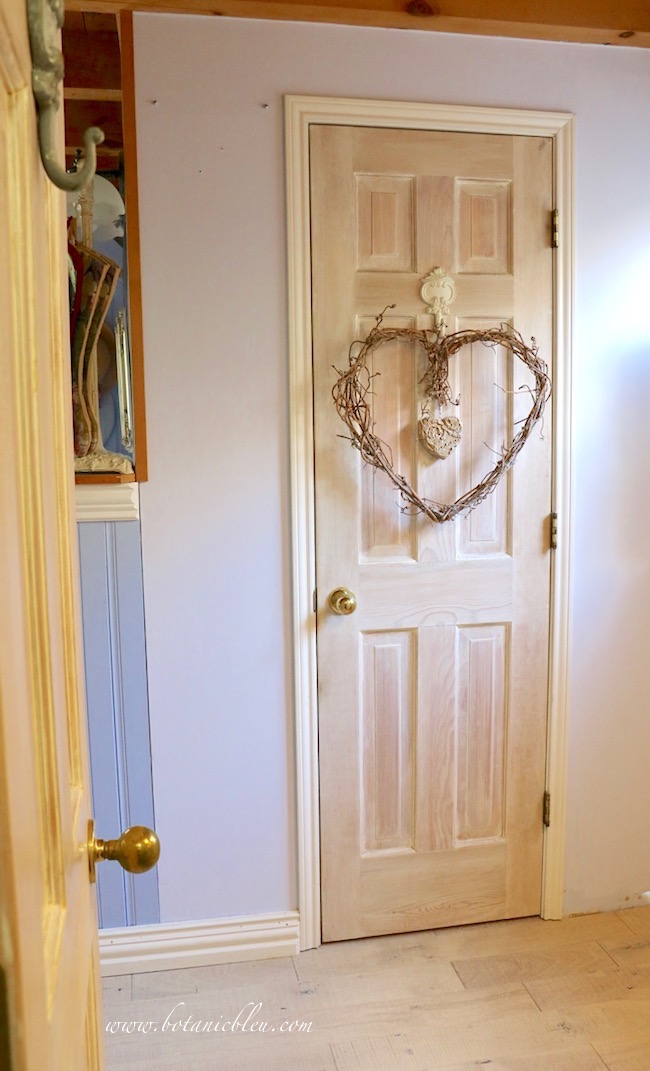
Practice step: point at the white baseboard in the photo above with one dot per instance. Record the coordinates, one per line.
(168, 946)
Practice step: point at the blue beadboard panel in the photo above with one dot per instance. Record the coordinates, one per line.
(118, 710)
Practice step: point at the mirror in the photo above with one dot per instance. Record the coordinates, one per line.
(103, 253)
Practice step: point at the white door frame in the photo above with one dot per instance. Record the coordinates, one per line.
(300, 113)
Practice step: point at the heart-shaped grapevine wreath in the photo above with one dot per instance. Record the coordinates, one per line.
(351, 390)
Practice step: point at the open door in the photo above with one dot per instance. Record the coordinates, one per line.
(49, 979)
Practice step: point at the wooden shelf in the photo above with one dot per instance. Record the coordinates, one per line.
(104, 477)
(99, 91)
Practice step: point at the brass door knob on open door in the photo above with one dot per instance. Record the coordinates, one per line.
(137, 849)
(343, 601)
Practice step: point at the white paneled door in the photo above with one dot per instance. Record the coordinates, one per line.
(433, 693)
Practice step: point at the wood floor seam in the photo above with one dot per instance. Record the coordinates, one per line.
(524, 995)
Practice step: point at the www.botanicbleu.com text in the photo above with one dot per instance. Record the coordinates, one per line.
(179, 1021)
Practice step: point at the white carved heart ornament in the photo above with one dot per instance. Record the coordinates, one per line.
(440, 436)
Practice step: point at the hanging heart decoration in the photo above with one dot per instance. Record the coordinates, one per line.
(354, 386)
(440, 437)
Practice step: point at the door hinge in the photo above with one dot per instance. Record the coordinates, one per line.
(546, 814)
(553, 531)
(315, 600)
(555, 229)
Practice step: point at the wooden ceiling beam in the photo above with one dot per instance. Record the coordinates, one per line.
(92, 60)
(604, 22)
(106, 114)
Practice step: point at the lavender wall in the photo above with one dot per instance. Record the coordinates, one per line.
(215, 514)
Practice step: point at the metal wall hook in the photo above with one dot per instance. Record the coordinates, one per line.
(66, 180)
(45, 19)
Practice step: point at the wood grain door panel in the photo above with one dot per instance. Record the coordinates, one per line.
(432, 695)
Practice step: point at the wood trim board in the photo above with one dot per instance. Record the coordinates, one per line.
(625, 24)
(136, 333)
(116, 502)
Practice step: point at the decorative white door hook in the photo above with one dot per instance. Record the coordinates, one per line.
(438, 291)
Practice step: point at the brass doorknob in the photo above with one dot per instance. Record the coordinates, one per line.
(343, 601)
(137, 849)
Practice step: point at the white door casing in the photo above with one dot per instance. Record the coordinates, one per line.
(301, 112)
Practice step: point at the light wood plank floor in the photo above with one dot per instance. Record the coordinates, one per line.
(524, 995)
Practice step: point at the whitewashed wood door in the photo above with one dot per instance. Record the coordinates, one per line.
(433, 694)
(50, 1003)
